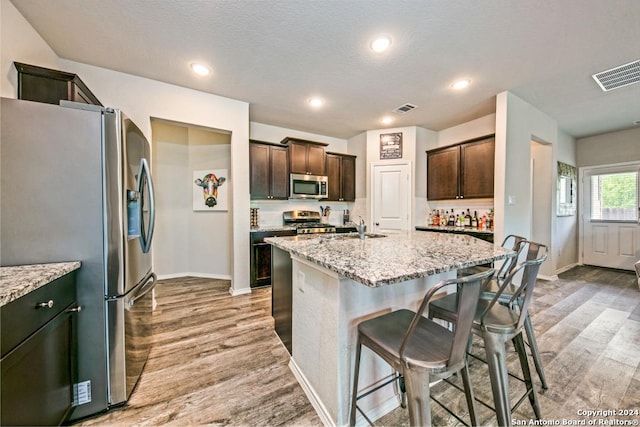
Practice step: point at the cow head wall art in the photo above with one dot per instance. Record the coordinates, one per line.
(210, 184)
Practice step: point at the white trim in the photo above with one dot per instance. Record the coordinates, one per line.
(547, 278)
(192, 274)
(317, 404)
(236, 292)
(387, 406)
(566, 268)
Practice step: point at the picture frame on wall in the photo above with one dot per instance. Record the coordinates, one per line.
(209, 190)
(391, 146)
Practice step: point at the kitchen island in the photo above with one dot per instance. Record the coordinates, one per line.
(338, 281)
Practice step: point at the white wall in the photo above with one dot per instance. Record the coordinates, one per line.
(565, 228)
(20, 42)
(409, 145)
(188, 242)
(517, 124)
(609, 148)
(143, 99)
(482, 126)
(275, 134)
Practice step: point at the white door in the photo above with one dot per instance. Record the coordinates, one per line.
(611, 234)
(391, 191)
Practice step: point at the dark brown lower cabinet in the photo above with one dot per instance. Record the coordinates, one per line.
(37, 376)
(39, 349)
(260, 258)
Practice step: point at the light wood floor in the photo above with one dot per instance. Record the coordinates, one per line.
(216, 360)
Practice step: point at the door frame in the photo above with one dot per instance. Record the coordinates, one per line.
(410, 193)
(583, 208)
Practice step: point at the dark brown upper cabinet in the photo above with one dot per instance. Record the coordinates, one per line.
(269, 171)
(341, 171)
(51, 86)
(462, 171)
(306, 157)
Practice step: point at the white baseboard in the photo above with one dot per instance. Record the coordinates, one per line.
(326, 418)
(317, 404)
(192, 274)
(566, 268)
(548, 278)
(236, 292)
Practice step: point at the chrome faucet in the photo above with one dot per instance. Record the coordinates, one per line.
(361, 228)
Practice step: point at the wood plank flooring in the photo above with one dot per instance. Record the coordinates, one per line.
(216, 360)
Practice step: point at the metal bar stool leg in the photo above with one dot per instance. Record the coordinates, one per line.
(468, 392)
(495, 350)
(531, 337)
(518, 342)
(419, 398)
(356, 372)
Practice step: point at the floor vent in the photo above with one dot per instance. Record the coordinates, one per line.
(403, 109)
(620, 76)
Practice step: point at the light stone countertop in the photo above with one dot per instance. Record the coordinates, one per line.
(396, 258)
(19, 280)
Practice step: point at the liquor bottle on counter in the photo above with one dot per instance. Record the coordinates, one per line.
(436, 220)
(430, 219)
(443, 219)
(467, 219)
(474, 220)
(452, 219)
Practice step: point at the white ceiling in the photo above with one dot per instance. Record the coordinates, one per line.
(276, 54)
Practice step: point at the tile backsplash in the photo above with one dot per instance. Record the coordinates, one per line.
(270, 213)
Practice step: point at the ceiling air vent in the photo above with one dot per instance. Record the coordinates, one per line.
(620, 76)
(404, 109)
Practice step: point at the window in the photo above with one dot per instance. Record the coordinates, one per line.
(614, 197)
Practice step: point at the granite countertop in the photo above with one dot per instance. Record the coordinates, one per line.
(19, 280)
(396, 258)
(451, 229)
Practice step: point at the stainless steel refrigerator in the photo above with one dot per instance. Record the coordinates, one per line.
(76, 185)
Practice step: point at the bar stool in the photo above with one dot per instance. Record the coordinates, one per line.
(512, 242)
(422, 351)
(533, 251)
(496, 324)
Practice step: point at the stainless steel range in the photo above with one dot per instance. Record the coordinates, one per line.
(306, 222)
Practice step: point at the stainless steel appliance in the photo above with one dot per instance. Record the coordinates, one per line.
(308, 186)
(306, 222)
(76, 185)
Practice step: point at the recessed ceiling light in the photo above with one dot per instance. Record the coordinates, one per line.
(380, 44)
(316, 101)
(461, 84)
(386, 120)
(200, 69)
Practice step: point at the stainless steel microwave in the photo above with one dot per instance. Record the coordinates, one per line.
(308, 186)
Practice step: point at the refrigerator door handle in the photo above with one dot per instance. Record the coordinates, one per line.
(144, 177)
(150, 283)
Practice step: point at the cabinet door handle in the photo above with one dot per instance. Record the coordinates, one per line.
(77, 309)
(48, 304)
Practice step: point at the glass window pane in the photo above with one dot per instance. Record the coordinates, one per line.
(614, 196)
